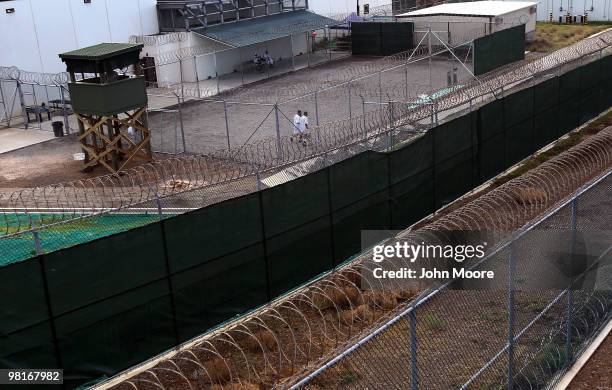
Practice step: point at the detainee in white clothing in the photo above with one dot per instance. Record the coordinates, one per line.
(303, 128)
(296, 123)
(304, 123)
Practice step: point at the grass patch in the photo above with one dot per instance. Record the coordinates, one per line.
(433, 322)
(553, 36)
(495, 316)
(348, 377)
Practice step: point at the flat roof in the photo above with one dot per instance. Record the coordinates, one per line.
(471, 8)
(265, 28)
(101, 51)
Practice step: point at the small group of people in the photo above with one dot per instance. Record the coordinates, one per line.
(266, 59)
(300, 128)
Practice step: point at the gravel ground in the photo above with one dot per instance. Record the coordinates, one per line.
(205, 125)
(205, 129)
(46, 163)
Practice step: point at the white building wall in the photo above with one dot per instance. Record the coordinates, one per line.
(32, 37)
(461, 29)
(334, 7)
(598, 10)
(222, 63)
(467, 28)
(517, 17)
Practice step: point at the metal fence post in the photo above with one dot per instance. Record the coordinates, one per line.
(195, 67)
(268, 66)
(329, 43)
(414, 366)
(292, 53)
(350, 101)
(64, 109)
(436, 113)
(241, 66)
(308, 47)
(258, 179)
(164, 241)
(364, 112)
(316, 108)
(180, 112)
(41, 262)
(160, 213)
(432, 115)
(229, 146)
(182, 78)
(380, 92)
(37, 245)
(217, 73)
(406, 74)
(278, 143)
(570, 291)
(511, 280)
(391, 124)
(24, 111)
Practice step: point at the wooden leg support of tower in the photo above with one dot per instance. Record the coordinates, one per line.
(115, 149)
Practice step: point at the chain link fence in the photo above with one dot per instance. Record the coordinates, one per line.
(518, 335)
(349, 330)
(190, 182)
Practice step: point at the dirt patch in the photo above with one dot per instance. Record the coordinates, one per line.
(48, 163)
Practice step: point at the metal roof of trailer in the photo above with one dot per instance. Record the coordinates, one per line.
(471, 8)
(265, 28)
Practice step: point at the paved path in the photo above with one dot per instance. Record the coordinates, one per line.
(12, 139)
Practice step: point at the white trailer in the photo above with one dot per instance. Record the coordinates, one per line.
(462, 22)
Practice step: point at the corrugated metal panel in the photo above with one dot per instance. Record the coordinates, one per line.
(252, 31)
(101, 51)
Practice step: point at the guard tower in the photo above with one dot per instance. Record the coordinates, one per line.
(110, 105)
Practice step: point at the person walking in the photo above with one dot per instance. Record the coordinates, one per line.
(296, 126)
(304, 128)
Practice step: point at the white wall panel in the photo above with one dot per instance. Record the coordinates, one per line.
(148, 17)
(90, 22)
(55, 35)
(342, 6)
(18, 38)
(33, 36)
(124, 19)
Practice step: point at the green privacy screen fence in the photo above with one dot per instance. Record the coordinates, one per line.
(498, 49)
(381, 38)
(100, 307)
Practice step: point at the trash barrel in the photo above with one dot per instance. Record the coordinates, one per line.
(58, 128)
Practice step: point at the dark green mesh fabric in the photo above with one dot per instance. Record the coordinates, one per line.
(498, 49)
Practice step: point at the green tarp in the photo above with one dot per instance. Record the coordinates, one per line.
(498, 49)
(381, 38)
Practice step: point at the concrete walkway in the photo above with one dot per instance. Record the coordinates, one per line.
(11, 139)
